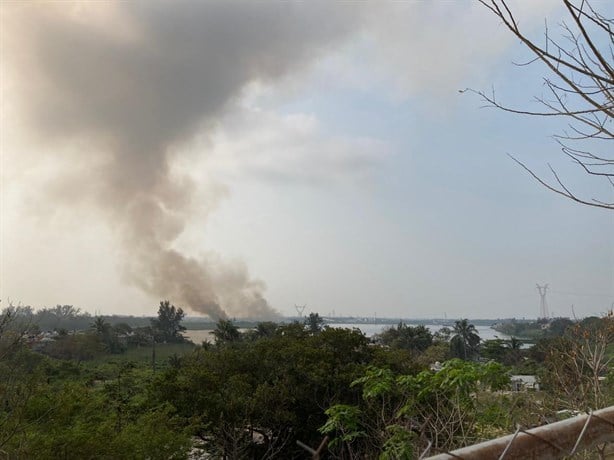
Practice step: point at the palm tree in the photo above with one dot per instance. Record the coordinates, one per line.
(100, 326)
(515, 344)
(465, 341)
(514, 353)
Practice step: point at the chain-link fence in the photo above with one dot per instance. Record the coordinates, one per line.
(553, 441)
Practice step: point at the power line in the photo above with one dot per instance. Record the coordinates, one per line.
(582, 294)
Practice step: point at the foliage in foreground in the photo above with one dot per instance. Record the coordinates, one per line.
(53, 409)
(254, 399)
(395, 410)
(253, 394)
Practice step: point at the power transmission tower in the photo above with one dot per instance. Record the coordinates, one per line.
(300, 309)
(543, 305)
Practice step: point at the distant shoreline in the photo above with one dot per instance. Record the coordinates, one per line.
(205, 323)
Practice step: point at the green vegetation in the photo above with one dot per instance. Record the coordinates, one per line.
(465, 342)
(442, 403)
(111, 390)
(167, 327)
(417, 338)
(531, 330)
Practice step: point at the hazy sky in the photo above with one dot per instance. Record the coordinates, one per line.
(241, 158)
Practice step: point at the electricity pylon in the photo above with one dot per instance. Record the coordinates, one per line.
(543, 305)
(300, 309)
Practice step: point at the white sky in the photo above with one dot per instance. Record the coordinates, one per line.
(328, 149)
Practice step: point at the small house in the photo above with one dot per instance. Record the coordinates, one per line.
(524, 383)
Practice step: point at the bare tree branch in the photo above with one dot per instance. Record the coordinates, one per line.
(580, 86)
(565, 192)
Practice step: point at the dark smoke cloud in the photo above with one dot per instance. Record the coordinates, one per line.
(133, 89)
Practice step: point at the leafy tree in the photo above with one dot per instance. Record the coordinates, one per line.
(168, 326)
(266, 329)
(262, 330)
(11, 332)
(76, 347)
(590, 322)
(142, 336)
(17, 319)
(273, 388)
(314, 323)
(493, 349)
(226, 332)
(417, 338)
(558, 326)
(51, 409)
(19, 377)
(399, 360)
(399, 445)
(66, 311)
(372, 431)
(438, 352)
(443, 334)
(442, 405)
(465, 341)
(345, 422)
(507, 352)
(72, 420)
(122, 328)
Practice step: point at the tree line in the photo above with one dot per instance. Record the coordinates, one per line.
(254, 393)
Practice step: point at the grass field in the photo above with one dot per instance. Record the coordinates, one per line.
(141, 357)
(163, 351)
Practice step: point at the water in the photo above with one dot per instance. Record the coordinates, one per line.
(199, 336)
(485, 332)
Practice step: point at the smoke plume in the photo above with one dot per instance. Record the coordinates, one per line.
(130, 83)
